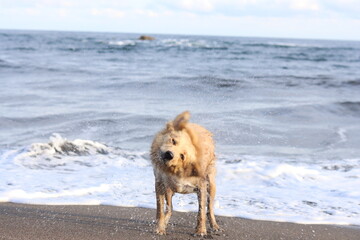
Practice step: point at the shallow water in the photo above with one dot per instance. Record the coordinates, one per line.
(284, 113)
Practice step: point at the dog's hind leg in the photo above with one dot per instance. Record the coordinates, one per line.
(211, 198)
(201, 219)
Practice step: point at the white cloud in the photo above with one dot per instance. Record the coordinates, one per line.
(32, 11)
(305, 5)
(148, 13)
(108, 12)
(62, 12)
(197, 5)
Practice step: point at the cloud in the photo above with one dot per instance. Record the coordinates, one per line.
(268, 8)
(32, 11)
(107, 12)
(197, 5)
(305, 5)
(148, 13)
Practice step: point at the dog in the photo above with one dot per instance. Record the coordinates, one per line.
(183, 159)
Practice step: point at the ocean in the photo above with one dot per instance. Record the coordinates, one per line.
(78, 112)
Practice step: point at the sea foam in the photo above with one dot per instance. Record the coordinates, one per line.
(88, 172)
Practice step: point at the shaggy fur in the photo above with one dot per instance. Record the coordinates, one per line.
(183, 159)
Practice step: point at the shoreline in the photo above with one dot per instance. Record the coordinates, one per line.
(26, 221)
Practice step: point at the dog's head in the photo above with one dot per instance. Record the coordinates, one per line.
(176, 145)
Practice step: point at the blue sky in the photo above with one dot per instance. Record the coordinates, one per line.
(322, 19)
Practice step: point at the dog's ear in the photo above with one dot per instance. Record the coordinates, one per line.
(181, 120)
(170, 126)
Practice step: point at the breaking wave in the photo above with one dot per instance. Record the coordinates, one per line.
(61, 153)
(79, 171)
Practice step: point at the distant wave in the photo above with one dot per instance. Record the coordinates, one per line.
(351, 107)
(355, 82)
(192, 44)
(220, 82)
(123, 43)
(293, 57)
(297, 45)
(169, 43)
(277, 45)
(291, 80)
(280, 45)
(5, 64)
(22, 49)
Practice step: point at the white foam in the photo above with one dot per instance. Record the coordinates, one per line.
(88, 172)
(188, 43)
(123, 43)
(288, 44)
(341, 132)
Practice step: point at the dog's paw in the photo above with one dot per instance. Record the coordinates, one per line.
(216, 228)
(160, 231)
(200, 233)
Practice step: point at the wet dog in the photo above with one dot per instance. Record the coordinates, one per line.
(183, 159)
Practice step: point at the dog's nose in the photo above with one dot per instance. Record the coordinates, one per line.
(167, 156)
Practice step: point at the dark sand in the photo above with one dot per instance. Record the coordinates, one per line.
(21, 221)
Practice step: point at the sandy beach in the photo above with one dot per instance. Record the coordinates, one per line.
(23, 221)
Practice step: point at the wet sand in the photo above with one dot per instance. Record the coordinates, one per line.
(40, 222)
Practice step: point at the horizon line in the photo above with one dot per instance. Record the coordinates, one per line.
(180, 34)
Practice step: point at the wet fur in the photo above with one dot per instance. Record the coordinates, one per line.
(195, 173)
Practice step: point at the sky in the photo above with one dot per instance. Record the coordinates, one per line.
(315, 19)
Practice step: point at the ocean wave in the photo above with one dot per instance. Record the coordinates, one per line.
(170, 43)
(350, 106)
(185, 43)
(256, 187)
(123, 43)
(116, 45)
(219, 82)
(291, 80)
(289, 45)
(5, 64)
(355, 82)
(64, 154)
(72, 49)
(296, 57)
(322, 80)
(296, 179)
(43, 120)
(207, 82)
(22, 49)
(276, 45)
(334, 108)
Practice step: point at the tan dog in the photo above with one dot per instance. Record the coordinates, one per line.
(183, 159)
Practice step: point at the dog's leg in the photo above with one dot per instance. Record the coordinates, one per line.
(160, 216)
(168, 196)
(211, 199)
(201, 220)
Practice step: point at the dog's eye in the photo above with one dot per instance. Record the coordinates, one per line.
(182, 156)
(173, 141)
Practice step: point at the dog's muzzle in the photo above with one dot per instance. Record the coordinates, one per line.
(167, 156)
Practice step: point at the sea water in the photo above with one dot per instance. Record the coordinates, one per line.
(78, 112)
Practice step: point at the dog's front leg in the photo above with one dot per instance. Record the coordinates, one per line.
(201, 220)
(168, 196)
(160, 216)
